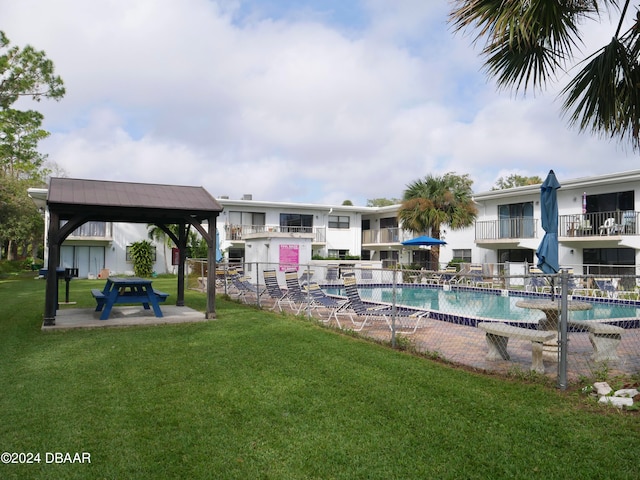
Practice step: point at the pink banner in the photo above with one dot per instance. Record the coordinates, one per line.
(289, 257)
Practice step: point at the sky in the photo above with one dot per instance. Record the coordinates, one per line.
(291, 101)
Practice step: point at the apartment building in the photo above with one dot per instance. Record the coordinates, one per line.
(597, 224)
(335, 230)
(598, 227)
(598, 230)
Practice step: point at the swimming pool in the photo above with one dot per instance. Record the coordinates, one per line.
(465, 305)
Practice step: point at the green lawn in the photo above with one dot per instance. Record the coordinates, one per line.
(260, 395)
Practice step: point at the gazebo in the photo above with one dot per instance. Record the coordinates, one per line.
(72, 202)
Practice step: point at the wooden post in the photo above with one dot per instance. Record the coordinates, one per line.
(182, 247)
(211, 269)
(51, 292)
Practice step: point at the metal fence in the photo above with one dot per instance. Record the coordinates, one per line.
(567, 326)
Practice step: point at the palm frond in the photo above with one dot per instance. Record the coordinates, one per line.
(604, 96)
(527, 41)
(434, 200)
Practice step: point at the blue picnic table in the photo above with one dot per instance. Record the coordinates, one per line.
(127, 290)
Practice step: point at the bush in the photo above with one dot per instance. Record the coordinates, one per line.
(142, 256)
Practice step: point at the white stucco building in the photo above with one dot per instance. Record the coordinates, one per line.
(598, 229)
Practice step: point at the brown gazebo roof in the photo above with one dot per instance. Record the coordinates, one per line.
(129, 202)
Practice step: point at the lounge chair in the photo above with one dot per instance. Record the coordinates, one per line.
(274, 291)
(573, 287)
(475, 277)
(537, 281)
(221, 278)
(538, 284)
(366, 273)
(332, 273)
(306, 277)
(322, 300)
(407, 320)
(605, 288)
(298, 298)
(449, 276)
(243, 286)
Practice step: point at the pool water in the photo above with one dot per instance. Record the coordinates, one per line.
(482, 304)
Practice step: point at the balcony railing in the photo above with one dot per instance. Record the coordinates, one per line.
(622, 222)
(506, 228)
(92, 230)
(598, 224)
(238, 232)
(385, 235)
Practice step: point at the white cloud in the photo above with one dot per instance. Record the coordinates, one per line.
(297, 106)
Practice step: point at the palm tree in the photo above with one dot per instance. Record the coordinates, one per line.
(432, 201)
(529, 41)
(155, 233)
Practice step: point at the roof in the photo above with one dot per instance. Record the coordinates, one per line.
(292, 205)
(581, 183)
(129, 202)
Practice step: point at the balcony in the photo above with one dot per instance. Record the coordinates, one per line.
(385, 236)
(236, 233)
(506, 230)
(591, 226)
(92, 231)
(598, 224)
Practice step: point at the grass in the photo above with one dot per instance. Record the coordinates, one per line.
(255, 394)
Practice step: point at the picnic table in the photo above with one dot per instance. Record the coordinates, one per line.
(551, 309)
(127, 290)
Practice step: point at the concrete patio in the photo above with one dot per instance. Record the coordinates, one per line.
(72, 318)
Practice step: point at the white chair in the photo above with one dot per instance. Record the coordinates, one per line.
(610, 227)
(584, 227)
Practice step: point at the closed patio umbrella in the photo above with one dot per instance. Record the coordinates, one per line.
(548, 249)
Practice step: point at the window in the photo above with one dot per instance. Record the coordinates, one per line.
(389, 258)
(422, 259)
(516, 220)
(389, 222)
(247, 218)
(609, 256)
(463, 254)
(389, 231)
(610, 202)
(611, 261)
(90, 229)
(338, 221)
(515, 255)
(296, 222)
(236, 255)
(341, 254)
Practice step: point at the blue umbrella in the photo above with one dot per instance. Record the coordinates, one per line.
(548, 249)
(424, 240)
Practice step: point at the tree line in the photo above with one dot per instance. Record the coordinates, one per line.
(24, 73)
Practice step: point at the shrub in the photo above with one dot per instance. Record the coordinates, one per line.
(142, 256)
